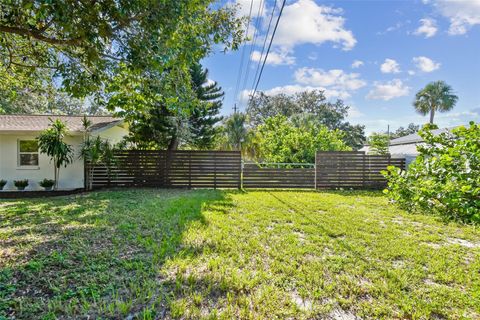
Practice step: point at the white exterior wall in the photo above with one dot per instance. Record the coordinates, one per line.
(71, 177)
(113, 134)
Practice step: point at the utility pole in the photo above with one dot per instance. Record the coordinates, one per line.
(235, 108)
(388, 134)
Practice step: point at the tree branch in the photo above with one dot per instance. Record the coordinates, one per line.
(37, 35)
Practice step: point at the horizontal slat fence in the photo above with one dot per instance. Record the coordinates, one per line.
(352, 169)
(168, 169)
(258, 176)
(223, 169)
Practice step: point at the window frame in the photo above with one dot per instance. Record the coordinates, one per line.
(19, 153)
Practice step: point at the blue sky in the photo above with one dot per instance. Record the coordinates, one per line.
(375, 55)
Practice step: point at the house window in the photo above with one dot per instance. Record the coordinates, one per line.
(27, 153)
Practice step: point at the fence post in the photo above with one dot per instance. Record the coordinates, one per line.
(189, 170)
(214, 170)
(364, 169)
(240, 173)
(315, 168)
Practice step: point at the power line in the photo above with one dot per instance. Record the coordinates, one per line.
(269, 46)
(255, 36)
(240, 70)
(264, 44)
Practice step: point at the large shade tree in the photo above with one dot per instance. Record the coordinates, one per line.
(436, 96)
(311, 106)
(86, 43)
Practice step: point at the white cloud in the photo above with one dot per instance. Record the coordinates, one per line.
(390, 66)
(243, 8)
(295, 88)
(411, 72)
(313, 56)
(428, 28)
(335, 83)
(209, 82)
(463, 14)
(425, 64)
(397, 26)
(275, 58)
(335, 79)
(357, 64)
(354, 112)
(306, 22)
(388, 90)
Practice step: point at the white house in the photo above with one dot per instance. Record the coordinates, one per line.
(406, 146)
(20, 158)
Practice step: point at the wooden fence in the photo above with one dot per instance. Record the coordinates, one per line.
(168, 169)
(223, 169)
(269, 176)
(352, 170)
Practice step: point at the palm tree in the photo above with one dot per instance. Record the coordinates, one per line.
(436, 96)
(236, 130)
(51, 142)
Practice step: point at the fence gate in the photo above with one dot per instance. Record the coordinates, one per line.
(278, 175)
(352, 169)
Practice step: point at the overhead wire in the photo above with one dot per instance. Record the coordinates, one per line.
(264, 44)
(240, 70)
(253, 44)
(269, 47)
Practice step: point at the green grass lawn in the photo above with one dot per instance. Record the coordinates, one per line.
(150, 254)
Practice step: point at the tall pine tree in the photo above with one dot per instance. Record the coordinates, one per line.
(161, 128)
(203, 119)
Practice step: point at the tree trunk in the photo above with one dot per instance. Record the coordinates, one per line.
(55, 185)
(432, 114)
(173, 145)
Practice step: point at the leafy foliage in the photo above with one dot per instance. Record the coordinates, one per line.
(378, 143)
(47, 183)
(42, 97)
(401, 131)
(311, 106)
(235, 134)
(280, 140)
(85, 43)
(436, 96)
(445, 177)
(97, 151)
(192, 125)
(51, 142)
(20, 184)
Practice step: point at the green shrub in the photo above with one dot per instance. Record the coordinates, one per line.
(445, 177)
(2, 183)
(47, 183)
(21, 184)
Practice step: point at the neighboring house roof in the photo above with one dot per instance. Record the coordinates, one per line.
(36, 123)
(415, 138)
(407, 145)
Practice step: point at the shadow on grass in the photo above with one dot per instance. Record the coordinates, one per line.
(342, 192)
(94, 255)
